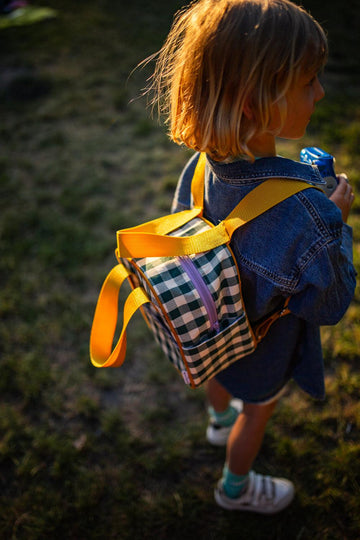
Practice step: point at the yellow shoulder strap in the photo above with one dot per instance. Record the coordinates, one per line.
(151, 239)
(262, 198)
(198, 182)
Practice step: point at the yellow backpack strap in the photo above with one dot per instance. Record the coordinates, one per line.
(137, 245)
(268, 194)
(151, 240)
(105, 319)
(198, 182)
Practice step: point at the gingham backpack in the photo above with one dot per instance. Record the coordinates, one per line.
(185, 280)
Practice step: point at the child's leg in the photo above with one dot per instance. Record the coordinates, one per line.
(218, 397)
(223, 413)
(246, 436)
(240, 488)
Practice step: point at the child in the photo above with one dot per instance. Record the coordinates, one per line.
(232, 76)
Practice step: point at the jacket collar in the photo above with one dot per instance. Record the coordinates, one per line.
(242, 171)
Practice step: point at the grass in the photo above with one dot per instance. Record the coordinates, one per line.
(97, 454)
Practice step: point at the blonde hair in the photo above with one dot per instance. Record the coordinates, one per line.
(223, 54)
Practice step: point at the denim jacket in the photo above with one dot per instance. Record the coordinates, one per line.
(300, 248)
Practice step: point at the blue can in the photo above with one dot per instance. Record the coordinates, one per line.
(325, 164)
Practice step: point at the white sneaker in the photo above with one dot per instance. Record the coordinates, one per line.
(264, 495)
(217, 434)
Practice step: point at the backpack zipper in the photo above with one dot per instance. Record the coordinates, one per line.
(201, 287)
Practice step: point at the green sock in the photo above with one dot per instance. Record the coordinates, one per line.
(233, 484)
(224, 418)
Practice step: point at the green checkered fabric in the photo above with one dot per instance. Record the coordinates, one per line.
(180, 319)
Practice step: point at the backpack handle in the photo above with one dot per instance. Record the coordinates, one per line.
(105, 319)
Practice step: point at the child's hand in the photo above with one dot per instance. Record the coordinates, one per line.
(343, 196)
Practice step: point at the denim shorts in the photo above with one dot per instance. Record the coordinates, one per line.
(262, 376)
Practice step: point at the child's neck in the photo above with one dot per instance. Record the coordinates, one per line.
(263, 145)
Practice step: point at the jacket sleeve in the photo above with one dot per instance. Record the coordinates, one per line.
(182, 198)
(327, 284)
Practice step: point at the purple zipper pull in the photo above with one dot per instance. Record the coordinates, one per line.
(202, 289)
